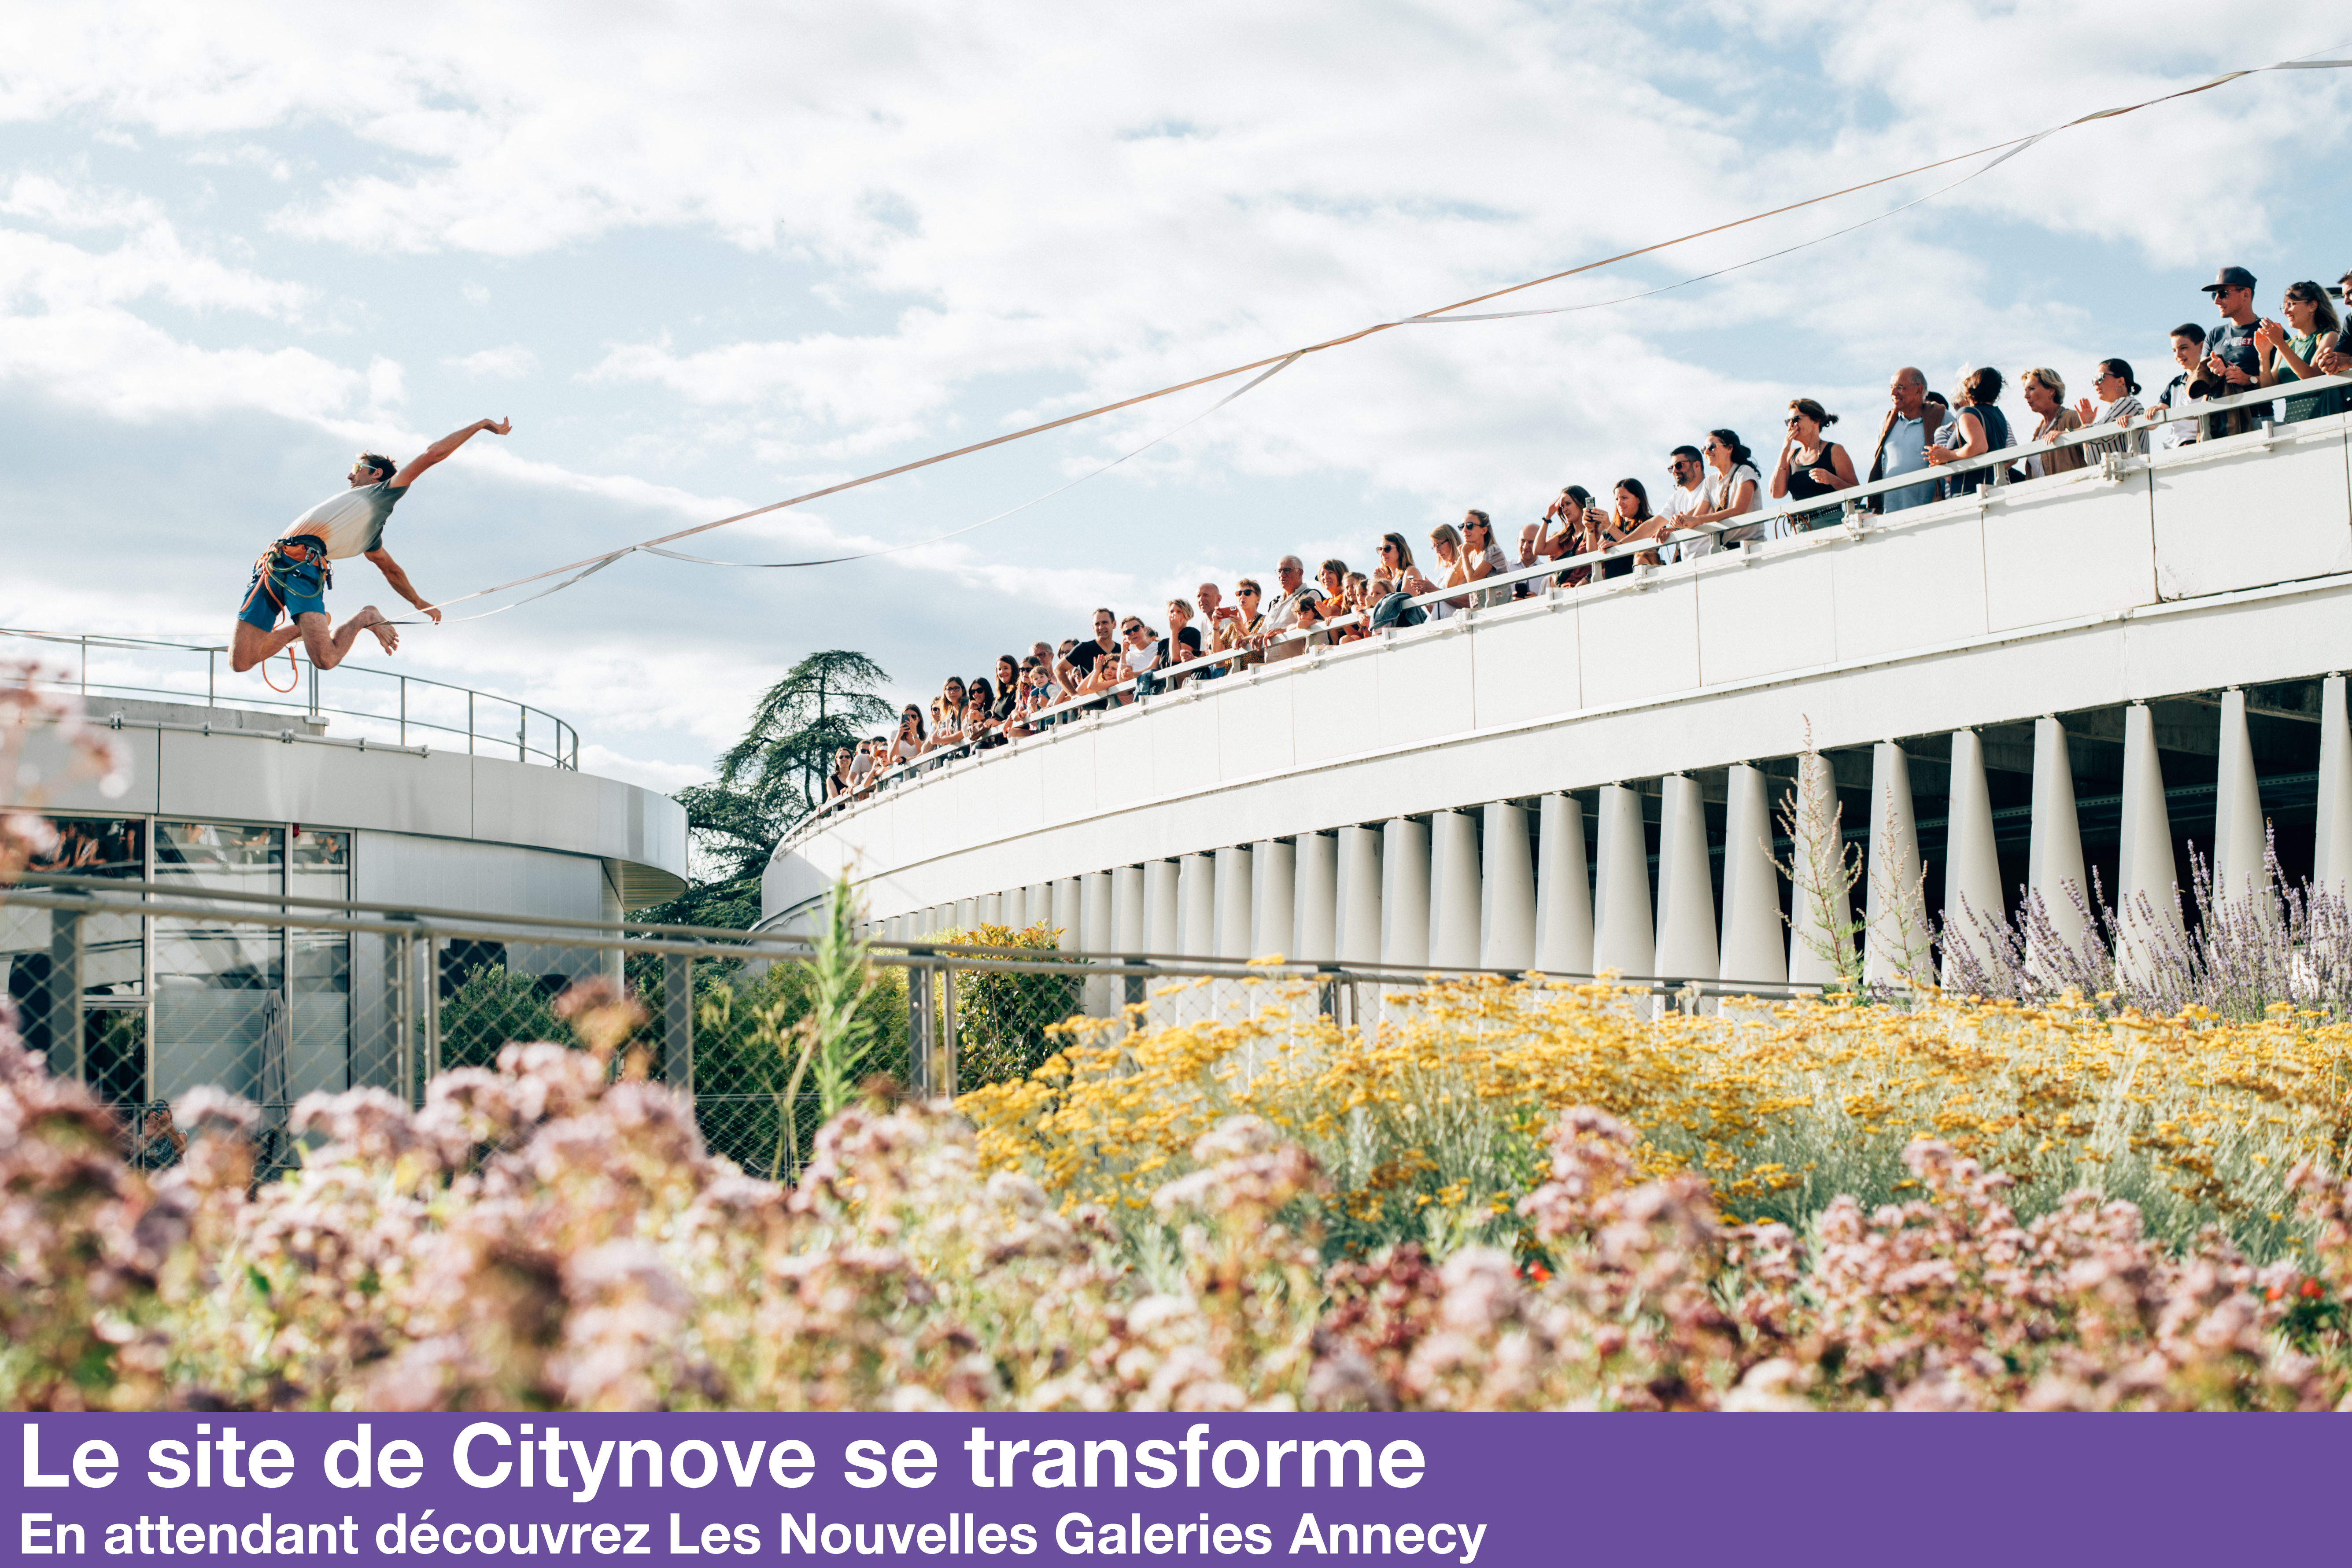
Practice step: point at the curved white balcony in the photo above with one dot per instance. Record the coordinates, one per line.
(2147, 579)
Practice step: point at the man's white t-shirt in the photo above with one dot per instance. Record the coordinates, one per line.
(350, 522)
(1678, 502)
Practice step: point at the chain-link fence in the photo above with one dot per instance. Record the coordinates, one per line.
(146, 991)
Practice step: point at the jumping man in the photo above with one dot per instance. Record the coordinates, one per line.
(292, 575)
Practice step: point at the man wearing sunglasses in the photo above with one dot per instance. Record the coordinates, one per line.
(2232, 357)
(1687, 495)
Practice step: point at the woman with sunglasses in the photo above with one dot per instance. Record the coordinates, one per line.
(2118, 404)
(1734, 490)
(910, 740)
(1482, 557)
(947, 731)
(2294, 354)
(1812, 465)
(1446, 543)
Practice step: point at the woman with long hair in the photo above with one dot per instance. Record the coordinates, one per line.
(980, 715)
(1811, 464)
(1446, 543)
(1482, 557)
(1630, 519)
(2291, 353)
(1732, 491)
(1580, 533)
(910, 740)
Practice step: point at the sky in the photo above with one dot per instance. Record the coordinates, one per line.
(707, 256)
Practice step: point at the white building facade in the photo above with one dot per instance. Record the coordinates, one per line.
(2018, 689)
(222, 799)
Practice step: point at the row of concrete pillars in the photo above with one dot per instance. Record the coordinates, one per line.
(1474, 888)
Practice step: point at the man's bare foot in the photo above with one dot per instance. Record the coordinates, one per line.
(372, 619)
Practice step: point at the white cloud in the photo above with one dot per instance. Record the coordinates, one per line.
(509, 362)
(832, 240)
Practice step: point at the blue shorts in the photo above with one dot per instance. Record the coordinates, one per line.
(296, 587)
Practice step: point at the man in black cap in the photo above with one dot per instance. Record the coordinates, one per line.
(2233, 358)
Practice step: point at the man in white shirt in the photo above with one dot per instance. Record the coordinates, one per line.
(1281, 617)
(1904, 438)
(292, 576)
(1688, 495)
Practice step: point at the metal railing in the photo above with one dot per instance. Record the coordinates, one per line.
(406, 710)
(273, 997)
(1551, 580)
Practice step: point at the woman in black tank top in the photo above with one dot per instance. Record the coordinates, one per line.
(1811, 465)
(1977, 427)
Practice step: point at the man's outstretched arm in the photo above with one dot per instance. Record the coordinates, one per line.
(444, 446)
(400, 583)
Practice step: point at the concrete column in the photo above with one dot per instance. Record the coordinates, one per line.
(967, 915)
(1129, 930)
(1163, 908)
(1016, 909)
(2147, 912)
(1506, 890)
(2054, 859)
(1623, 938)
(1096, 933)
(1404, 893)
(2332, 859)
(1234, 897)
(1038, 906)
(1453, 891)
(1358, 893)
(2239, 867)
(1972, 895)
(1196, 906)
(1822, 902)
(1066, 914)
(1563, 888)
(1894, 913)
(1274, 899)
(1685, 948)
(1315, 899)
(1752, 949)
(991, 911)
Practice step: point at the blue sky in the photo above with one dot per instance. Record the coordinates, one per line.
(710, 255)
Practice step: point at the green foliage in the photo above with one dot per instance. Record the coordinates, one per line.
(494, 1007)
(777, 1054)
(1001, 1019)
(771, 779)
(824, 702)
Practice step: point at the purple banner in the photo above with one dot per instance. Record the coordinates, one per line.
(1505, 1490)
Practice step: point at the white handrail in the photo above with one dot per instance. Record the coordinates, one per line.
(1845, 500)
(566, 744)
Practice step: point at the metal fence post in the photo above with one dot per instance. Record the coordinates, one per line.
(64, 1008)
(918, 1029)
(404, 709)
(212, 678)
(404, 1012)
(948, 1028)
(429, 978)
(677, 1020)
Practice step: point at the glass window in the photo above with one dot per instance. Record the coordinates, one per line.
(319, 966)
(219, 985)
(113, 959)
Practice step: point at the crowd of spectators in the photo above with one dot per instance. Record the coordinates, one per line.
(1711, 486)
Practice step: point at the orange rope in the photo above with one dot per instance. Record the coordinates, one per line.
(292, 668)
